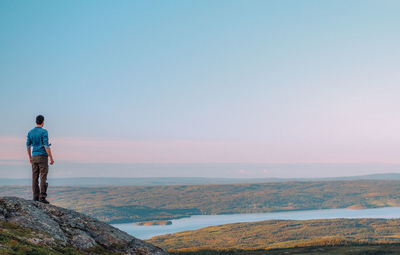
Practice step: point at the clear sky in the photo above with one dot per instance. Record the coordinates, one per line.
(188, 82)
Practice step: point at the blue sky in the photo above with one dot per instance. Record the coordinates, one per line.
(203, 81)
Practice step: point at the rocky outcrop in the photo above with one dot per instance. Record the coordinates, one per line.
(71, 229)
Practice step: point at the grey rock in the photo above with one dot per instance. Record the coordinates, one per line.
(72, 229)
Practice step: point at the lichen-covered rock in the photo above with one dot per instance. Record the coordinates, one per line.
(70, 228)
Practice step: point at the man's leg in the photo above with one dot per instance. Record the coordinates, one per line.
(35, 176)
(44, 169)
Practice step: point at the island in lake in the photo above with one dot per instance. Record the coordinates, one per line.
(154, 223)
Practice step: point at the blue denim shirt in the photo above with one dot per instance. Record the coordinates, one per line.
(38, 138)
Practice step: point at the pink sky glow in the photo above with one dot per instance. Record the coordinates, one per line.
(89, 150)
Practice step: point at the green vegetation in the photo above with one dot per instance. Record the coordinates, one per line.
(17, 240)
(255, 237)
(144, 203)
(382, 249)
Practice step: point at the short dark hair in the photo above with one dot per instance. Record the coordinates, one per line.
(39, 119)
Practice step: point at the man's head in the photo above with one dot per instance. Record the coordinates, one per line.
(40, 120)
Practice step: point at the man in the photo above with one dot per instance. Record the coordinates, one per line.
(38, 138)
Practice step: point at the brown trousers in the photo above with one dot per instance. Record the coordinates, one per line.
(40, 167)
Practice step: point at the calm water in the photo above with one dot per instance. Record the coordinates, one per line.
(201, 221)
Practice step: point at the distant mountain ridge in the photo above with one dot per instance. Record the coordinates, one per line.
(154, 181)
(122, 204)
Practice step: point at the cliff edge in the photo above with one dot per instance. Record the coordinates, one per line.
(54, 228)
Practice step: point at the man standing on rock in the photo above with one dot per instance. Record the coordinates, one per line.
(38, 138)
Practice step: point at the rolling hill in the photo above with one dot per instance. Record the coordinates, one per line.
(139, 203)
(289, 235)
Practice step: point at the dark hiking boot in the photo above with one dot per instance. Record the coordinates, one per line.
(44, 201)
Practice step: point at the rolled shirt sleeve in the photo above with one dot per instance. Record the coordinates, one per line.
(46, 140)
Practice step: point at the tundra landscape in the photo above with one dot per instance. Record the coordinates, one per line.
(199, 127)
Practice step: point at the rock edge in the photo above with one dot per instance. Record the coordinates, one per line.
(72, 229)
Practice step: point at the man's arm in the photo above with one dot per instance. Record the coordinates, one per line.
(28, 148)
(48, 150)
(47, 146)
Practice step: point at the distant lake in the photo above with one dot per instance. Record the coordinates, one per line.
(200, 221)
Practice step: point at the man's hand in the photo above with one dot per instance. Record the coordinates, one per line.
(51, 161)
(30, 160)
